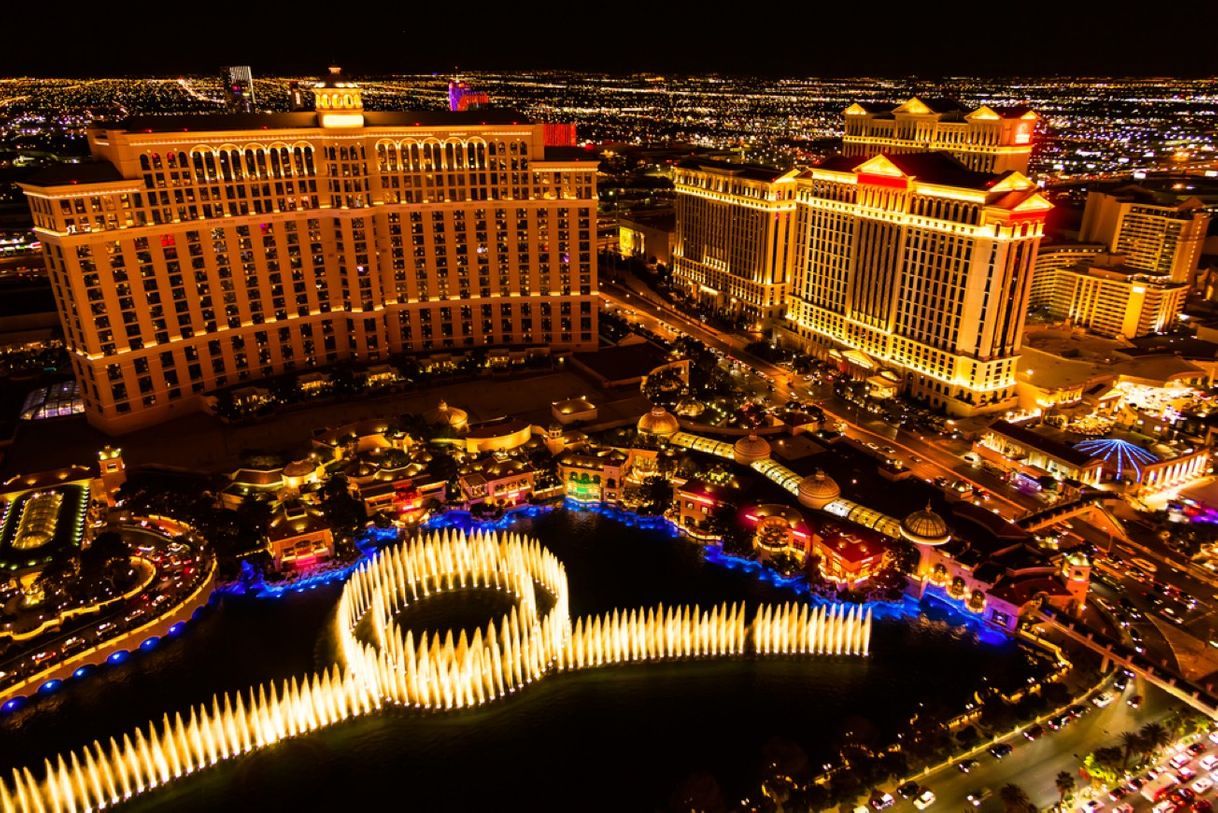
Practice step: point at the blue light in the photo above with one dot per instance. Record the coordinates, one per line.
(1125, 454)
(176, 629)
(50, 687)
(150, 643)
(119, 656)
(81, 672)
(13, 705)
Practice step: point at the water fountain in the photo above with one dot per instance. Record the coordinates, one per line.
(388, 665)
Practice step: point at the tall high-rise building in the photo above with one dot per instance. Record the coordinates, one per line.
(1108, 297)
(987, 139)
(917, 264)
(461, 96)
(197, 252)
(1156, 234)
(238, 89)
(1052, 259)
(731, 248)
(299, 98)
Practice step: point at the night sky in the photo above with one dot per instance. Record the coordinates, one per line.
(851, 39)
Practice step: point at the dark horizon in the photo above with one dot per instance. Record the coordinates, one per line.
(958, 41)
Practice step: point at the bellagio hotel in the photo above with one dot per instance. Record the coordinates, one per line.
(911, 254)
(196, 252)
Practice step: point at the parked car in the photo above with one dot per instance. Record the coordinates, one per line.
(908, 790)
(925, 799)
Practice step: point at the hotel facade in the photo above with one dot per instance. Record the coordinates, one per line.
(732, 235)
(916, 264)
(198, 252)
(987, 139)
(889, 257)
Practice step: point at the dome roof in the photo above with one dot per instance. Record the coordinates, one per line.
(818, 490)
(447, 415)
(659, 421)
(925, 527)
(750, 449)
(300, 468)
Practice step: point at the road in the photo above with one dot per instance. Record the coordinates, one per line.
(1034, 766)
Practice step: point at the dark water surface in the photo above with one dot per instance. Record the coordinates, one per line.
(621, 738)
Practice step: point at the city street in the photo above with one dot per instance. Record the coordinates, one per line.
(1034, 766)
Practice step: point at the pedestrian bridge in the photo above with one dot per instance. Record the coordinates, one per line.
(1092, 501)
(789, 480)
(1198, 697)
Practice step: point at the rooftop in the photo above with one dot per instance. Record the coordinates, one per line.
(220, 122)
(752, 172)
(84, 172)
(931, 167)
(624, 362)
(1033, 439)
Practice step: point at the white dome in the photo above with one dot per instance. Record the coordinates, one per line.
(818, 490)
(925, 527)
(750, 449)
(659, 421)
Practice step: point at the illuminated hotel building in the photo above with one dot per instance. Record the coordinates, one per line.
(915, 263)
(239, 89)
(731, 244)
(1052, 259)
(202, 251)
(1109, 298)
(1156, 234)
(988, 139)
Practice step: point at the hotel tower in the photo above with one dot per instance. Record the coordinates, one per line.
(197, 252)
(908, 258)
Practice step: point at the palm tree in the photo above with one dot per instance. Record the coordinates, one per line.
(1015, 799)
(1153, 737)
(1065, 785)
(1131, 741)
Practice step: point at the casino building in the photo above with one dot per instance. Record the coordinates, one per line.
(988, 139)
(912, 253)
(917, 264)
(733, 227)
(197, 252)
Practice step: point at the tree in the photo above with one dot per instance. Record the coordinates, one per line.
(1104, 764)
(1153, 737)
(657, 494)
(1065, 786)
(344, 512)
(1015, 799)
(106, 560)
(1130, 743)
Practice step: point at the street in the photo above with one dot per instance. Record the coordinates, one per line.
(1034, 766)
